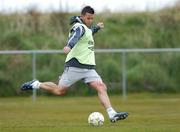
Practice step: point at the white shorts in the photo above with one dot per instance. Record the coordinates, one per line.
(74, 74)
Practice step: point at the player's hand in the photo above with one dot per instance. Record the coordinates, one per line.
(67, 49)
(101, 25)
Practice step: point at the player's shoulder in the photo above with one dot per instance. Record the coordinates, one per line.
(78, 26)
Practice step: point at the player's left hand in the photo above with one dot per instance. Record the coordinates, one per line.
(101, 25)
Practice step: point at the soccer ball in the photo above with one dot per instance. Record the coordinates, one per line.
(96, 119)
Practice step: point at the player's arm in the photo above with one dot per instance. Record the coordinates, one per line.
(75, 34)
(97, 27)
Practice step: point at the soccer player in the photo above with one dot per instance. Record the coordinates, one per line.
(80, 63)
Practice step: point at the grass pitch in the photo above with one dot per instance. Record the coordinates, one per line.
(148, 113)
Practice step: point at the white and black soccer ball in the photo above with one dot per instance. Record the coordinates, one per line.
(96, 119)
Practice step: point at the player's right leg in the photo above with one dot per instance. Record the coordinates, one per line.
(48, 86)
(53, 88)
(69, 77)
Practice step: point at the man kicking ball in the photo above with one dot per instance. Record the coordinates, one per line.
(80, 63)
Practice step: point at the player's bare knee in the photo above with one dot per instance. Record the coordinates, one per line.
(102, 87)
(105, 88)
(63, 92)
(60, 92)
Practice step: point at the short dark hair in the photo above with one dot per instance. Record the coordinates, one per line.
(87, 9)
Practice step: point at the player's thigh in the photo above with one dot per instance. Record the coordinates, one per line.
(69, 77)
(92, 76)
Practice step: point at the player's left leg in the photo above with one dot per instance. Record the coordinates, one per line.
(94, 80)
(102, 94)
(103, 97)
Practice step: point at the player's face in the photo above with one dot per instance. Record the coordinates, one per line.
(88, 19)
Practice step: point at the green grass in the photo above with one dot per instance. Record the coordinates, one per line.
(148, 113)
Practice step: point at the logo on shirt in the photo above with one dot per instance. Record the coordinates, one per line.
(91, 45)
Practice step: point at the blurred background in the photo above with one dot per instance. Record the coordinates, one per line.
(44, 25)
(100, 5)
